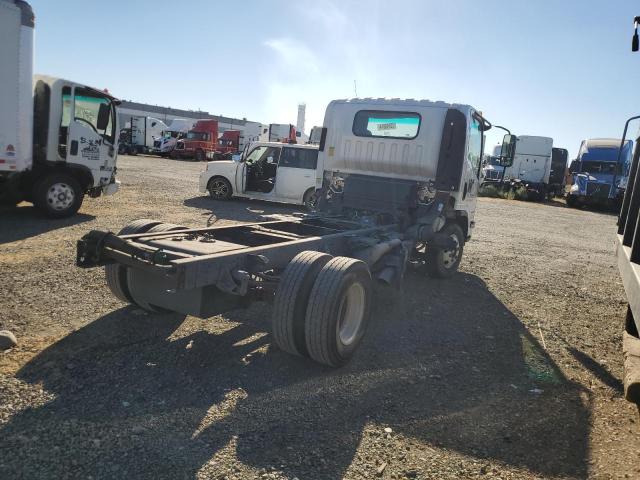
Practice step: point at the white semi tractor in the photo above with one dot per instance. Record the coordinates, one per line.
(531, 164)
(397, 182)
(168, 140)
(58, 139)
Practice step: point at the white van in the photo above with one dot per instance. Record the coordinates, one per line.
(272, 171)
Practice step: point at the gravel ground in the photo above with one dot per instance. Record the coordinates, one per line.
(511, 369)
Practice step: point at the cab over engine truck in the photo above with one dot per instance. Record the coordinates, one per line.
(392, 191)
(58, 139)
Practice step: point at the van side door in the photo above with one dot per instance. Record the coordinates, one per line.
(296, 172)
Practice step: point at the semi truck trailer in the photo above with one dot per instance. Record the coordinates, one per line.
(58, 139)
(391, 192)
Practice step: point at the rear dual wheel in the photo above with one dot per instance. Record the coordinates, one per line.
(322, 306)
(118, 276)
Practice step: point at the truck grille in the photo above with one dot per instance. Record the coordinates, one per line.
(156, 143)
(492, 175)
(595, 189)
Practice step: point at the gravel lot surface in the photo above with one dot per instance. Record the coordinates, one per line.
(511, 369)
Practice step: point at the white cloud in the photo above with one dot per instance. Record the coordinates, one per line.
(294, 55)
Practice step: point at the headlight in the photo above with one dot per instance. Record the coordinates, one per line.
(574, 188)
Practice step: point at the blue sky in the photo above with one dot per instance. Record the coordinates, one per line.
(562, 69)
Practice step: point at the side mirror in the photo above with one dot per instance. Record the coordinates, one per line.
(508, 150)
(104, 112)
(634, 41)
(573, 167)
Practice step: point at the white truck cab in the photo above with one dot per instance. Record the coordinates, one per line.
(58, 139)
(390, 155)
(272, 171)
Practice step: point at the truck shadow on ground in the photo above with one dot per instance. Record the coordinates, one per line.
(241, 209)
(26, 221)
(136, 398)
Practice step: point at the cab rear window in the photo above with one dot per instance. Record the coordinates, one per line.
(386, 124)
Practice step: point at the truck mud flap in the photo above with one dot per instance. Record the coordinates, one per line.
(452, 147)
(631, 351)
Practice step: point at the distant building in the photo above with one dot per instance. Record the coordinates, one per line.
(127, 109)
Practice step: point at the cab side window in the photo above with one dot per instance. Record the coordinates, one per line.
(299, 158)
(64, 121)
(475, 145)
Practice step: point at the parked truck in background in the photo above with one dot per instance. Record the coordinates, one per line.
(139, 135)
(200, 143)
(375, 215)
(279, 132)
(599, 173)
(178, 129)
(58, 139)
(531, 165)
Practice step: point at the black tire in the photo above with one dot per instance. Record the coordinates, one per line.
(220, 188)
(116, 273)
(310, 200)
(165, 227)
(200, 156)
(442, 263)
(58, 195)
(342, 289)
(292, 297)
(571, 201)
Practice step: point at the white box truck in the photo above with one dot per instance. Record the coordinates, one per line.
(58, 139)
(397, 182)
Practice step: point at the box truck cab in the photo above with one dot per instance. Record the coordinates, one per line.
(58, 139)
(597, 176)
(273, 171)
(199, 143)
(395, 155)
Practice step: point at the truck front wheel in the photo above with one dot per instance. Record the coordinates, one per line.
(444, 262)
(58, 195)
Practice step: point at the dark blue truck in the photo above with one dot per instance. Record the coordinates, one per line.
(600, 173)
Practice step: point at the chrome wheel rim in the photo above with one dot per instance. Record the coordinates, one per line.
(219, 189)
(450, 257)
(60, 196)
(351, 313)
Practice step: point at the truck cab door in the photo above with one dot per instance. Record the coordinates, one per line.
(471, 169)
(296, 172)
(91, 134)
